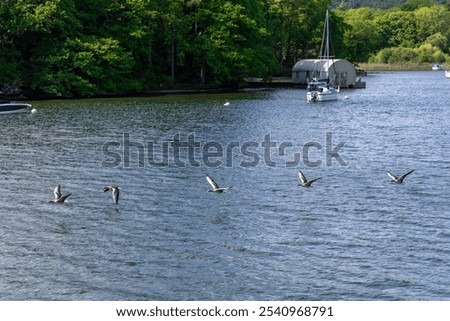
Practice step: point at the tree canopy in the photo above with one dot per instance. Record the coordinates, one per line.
(80, 48)
(416, 32)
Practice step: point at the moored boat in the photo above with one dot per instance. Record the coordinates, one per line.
(321, 87)
(10, 107)
(321, 91)
(447, 74)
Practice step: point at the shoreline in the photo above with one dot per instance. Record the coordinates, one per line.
(266, 86)
(363, 69)
(377, 67)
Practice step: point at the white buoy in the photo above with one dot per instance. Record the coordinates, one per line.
(345, 97)
(34, 111)
(227, 103)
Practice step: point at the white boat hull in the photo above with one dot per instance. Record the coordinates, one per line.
(447, 74)
(328, 95)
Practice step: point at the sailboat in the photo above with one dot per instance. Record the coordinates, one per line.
(321, 87)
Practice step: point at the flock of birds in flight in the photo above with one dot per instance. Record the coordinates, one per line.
(59, 198)
(304, 182)
(115, 190)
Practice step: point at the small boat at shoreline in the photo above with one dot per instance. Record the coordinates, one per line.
(10, 107)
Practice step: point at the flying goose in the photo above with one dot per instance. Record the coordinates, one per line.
(115, 192)
(304, 182)
(214, 185)
(58, 196)
(398, 180)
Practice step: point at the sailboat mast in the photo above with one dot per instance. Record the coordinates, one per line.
(322, 43)
(324, 52)
(327, 35)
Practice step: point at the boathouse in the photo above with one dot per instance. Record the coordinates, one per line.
(341, 70)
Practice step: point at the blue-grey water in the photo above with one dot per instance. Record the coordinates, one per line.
(352, 236)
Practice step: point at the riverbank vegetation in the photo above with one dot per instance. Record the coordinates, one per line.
(376, 67)
(80, 48)
(415, 33)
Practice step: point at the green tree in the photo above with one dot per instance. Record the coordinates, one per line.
(134, 23)
(362, 37)
(234, 43)
(397, 29)
(39, 29)
(411, 5)
(85, 67)
(431, 21)
(303, 23)
(10, 28)
(438, 40)
(227, 41)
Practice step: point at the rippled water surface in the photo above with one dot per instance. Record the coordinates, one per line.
(352, 236)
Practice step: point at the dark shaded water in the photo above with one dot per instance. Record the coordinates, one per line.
(353, 236)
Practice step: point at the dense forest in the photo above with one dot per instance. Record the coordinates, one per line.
(81, 48)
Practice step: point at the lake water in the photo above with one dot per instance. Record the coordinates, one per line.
(352, 236)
